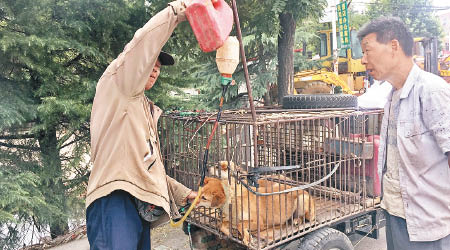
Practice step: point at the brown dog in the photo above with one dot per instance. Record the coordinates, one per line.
(274, 210)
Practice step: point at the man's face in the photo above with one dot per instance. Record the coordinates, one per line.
(378, 58)
(153, 76)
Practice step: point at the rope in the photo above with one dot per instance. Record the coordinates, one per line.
(178, 223)
(294, 188)
(371, 230)
(211, 136)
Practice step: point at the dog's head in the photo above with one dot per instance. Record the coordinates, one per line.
(213, 194)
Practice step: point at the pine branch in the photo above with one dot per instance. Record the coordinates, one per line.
(14, 137)
(73, 61)
(75, 182)
(64, 159)
(15, 30)
(10, 145)
(3, 17)
(38, 226)
(74, 141)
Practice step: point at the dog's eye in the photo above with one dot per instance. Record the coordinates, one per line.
(203, 198)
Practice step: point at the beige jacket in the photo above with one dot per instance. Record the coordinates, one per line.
(123, 122)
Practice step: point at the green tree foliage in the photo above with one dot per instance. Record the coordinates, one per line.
(356, 19)
(307, 38)
(417, 15)
(52, 54)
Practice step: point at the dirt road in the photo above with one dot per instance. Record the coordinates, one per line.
(168, 238)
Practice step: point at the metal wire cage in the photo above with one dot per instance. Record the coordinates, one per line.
(317, 162)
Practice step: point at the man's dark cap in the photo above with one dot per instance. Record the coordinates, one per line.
(165, 58)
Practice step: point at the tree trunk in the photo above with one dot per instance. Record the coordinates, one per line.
(54, 189)
(263, 64)
(286, 55)
(267, 97)
(304, 49)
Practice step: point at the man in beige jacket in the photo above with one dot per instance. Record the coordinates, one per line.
(125, 151)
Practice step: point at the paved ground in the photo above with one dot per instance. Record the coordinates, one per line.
(167, 238)
(369, 243)
(81, 244)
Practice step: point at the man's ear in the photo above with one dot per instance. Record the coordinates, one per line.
(395, 45)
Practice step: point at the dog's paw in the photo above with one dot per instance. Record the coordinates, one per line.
(247, 238)
(224, 228)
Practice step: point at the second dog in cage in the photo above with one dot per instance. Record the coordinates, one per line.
(222, 169)
(249, 210)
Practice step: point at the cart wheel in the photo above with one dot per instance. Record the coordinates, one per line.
(202, 239)
(325, 239)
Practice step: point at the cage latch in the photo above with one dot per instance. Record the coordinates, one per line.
(252, 179)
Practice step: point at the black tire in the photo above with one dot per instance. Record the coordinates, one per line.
(203, 239)
(325, 239)
(319, 101)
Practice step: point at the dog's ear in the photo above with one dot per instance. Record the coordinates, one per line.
(206, 180)
(223, 165)
(217, 200)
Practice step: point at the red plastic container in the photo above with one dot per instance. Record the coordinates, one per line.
(373, 165)
(371, 169)
(211, 22)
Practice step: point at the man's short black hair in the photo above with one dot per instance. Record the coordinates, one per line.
(388, 29)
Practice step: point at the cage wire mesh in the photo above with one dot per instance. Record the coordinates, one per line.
(328, 157)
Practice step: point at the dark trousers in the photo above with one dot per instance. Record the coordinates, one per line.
(113, 223)
(397, 237)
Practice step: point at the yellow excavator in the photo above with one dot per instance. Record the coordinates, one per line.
(444, 68)
(316, 89)
(351, 72)
(425, 55)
